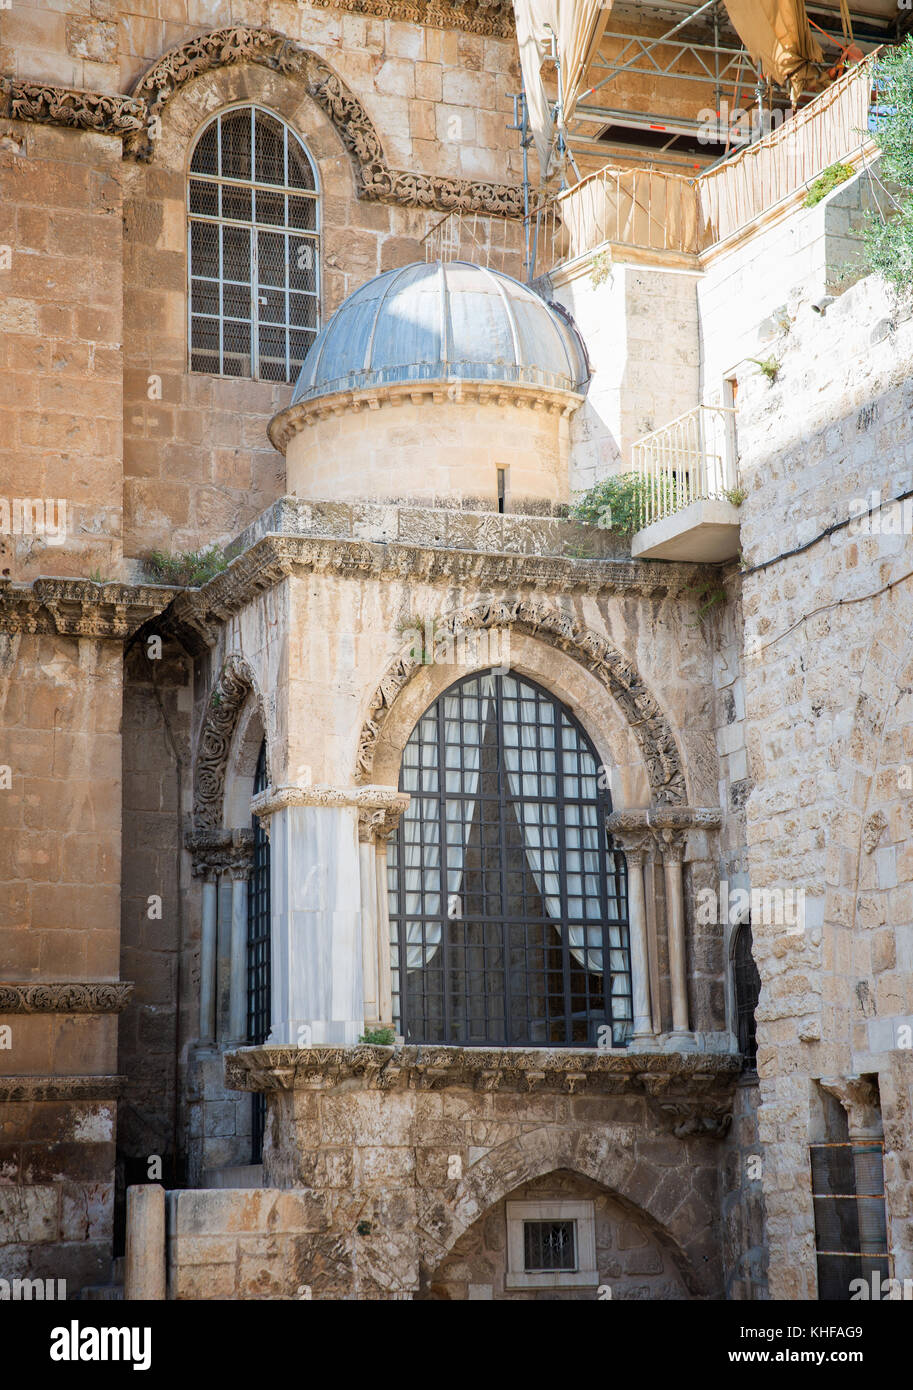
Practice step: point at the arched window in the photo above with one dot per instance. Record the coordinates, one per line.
(253, 253)
(747, 988)
(507, 902)
(258, 952)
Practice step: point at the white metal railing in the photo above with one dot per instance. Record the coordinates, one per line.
(692, 459)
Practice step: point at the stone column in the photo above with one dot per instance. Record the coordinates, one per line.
(144, 1265)
(209, 930)
(375, 826)
(630, 833)
(862, 1104)
(318, 908)
(672, 845)
(241, 859)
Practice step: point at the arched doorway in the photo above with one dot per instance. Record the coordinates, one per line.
(507, 900)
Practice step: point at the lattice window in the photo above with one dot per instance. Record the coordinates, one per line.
(254, 302)
(508, 904)
(258, 952)
(747, 986)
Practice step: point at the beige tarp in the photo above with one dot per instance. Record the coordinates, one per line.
(778, 35)
(638, 207)
(578, 26)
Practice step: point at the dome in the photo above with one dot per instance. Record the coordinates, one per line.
(442, 322)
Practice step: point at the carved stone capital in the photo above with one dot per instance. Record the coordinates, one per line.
(379, 808)
(859, 1098)
(210, 853)
(69, 997)
(80, 607)
(240, 856)
(377, 824)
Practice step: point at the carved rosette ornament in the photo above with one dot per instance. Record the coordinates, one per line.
(553, 625)
(69, 997)
(376, 181)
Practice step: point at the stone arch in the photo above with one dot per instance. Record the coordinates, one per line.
(645, 1189)
(548, 623)
(231, 692)
(374, 178)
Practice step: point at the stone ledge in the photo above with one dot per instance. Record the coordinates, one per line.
(80, 607)
(37, 1088)
(69, 997)
(521, 1070)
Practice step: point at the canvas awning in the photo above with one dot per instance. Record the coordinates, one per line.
(778, 36)
(578, 26)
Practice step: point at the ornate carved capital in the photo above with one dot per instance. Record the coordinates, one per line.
(210, 850)
(860, 1099)
(80, 607)
(70, 997)
(379, 808)
(240, 857)
(105, 115)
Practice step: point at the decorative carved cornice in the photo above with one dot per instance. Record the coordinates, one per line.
(198, 614)
(70, 997)
(80, 608)
(32, 1088)
(106, 115)
(292, 421)
(491, 18)
(693, 1089)
(544, 620)
(372, 798)
(235, 683)
(375, 180)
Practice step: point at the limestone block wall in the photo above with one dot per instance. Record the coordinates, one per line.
(61, 336)
(639, 323)
(827, 667)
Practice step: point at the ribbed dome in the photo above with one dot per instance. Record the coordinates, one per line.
(442, 322)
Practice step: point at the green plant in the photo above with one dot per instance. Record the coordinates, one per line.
(888, 240)
(825, 183)
(615, 504)
(423, 632)
(188, 569)
(378, 1037)
(711, 594)
(601, 268)
(97, 577)
(770, 366)
(735, 495)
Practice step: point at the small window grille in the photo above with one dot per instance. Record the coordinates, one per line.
(549, 1245)
(254, 303)
(258, 954)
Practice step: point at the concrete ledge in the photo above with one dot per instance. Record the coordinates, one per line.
(707, 533)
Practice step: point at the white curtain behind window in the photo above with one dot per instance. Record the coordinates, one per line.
(579, 26)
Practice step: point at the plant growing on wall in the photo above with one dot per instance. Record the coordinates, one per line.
(826, 183)
(615, 504)
(770, 366)
(187, 569)
(601, 268)
(378, 1037)
(888, 239)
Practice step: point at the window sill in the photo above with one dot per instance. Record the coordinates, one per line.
(554, 1279)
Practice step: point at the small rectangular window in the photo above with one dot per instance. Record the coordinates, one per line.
(502, 489)
(549, 1245)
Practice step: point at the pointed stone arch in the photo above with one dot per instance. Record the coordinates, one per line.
(229, 695)
(551, 624)
(375, 180)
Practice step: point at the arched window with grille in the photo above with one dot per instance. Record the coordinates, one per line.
(508, 904)
(253, 208)
(746, 989)
(259, 962)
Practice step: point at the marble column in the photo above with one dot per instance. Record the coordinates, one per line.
(672, 844)
(321, 887)
(631, 835)
(241, 860)
(375, 826)
(209, 929)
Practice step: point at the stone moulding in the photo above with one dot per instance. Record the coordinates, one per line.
(373, 798)
(81, 110)
(295, 418)
(490, 18)
(80, 608)
(375, 179)
(549, 623)
(236, 682)
(36, 1088)
(69, 997)
(691, 1091)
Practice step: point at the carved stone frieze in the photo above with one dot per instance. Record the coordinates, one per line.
(491, 18)
(694, 1090)
(64, 997)
(545, 621)
(80, 608)
(106, 115)
(34, 1088)
(375, 179)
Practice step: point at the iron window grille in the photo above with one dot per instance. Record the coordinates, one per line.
(517, 933)
(747, 982)
(851, 1232)
(253, 248)
(549, 1245)
(258, 953)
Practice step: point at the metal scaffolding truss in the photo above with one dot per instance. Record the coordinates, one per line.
(639, 57)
